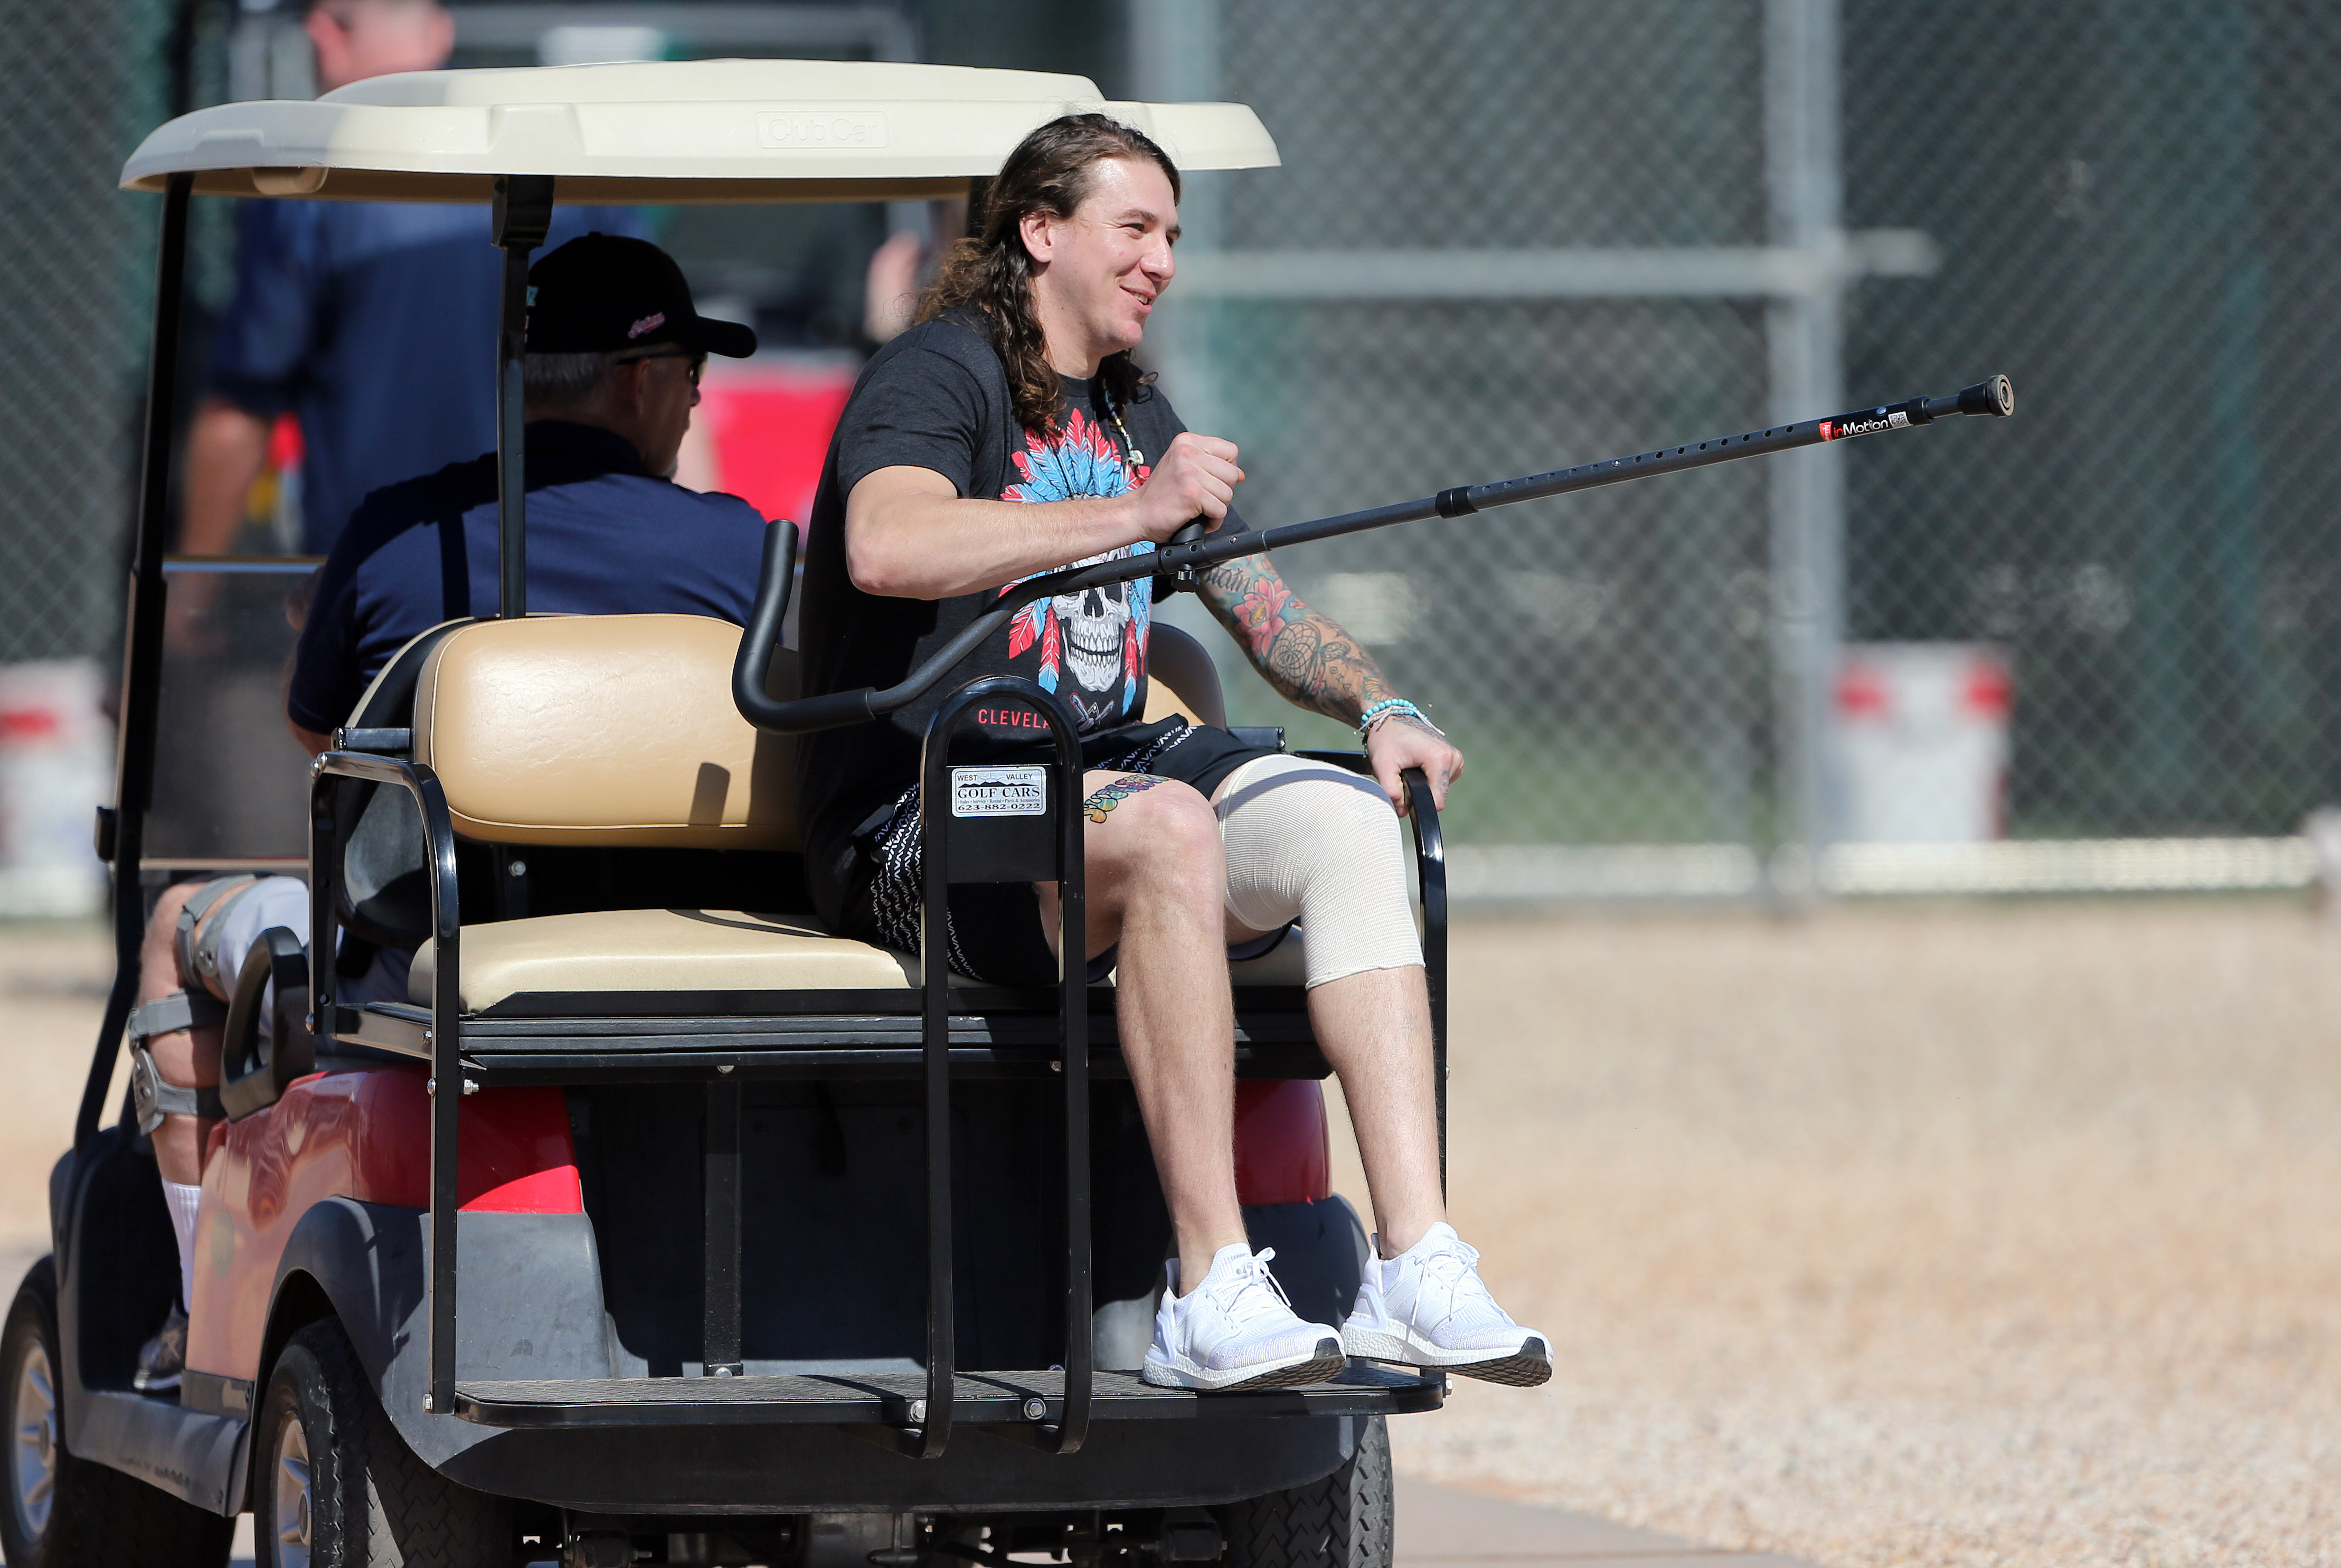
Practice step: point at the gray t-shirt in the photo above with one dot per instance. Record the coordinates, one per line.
(937, 398)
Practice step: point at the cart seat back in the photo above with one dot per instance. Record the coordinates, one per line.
(1182, 678)
(388, 700)
(619, 730)
(604, 730)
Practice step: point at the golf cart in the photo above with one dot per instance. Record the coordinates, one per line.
(659, 1225)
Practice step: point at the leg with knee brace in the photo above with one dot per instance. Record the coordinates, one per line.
(1310, 842)
(196, 1006)
(216, 928)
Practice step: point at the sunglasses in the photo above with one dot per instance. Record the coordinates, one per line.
(698, 361)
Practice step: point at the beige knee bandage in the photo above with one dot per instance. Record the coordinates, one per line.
(1313, 842)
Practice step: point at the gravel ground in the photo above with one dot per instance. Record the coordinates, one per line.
(1961, 1235)
(1953, 1235)
(53, 984)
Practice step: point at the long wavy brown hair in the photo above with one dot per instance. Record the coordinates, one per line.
(990, 278)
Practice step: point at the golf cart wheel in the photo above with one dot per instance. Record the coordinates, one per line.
(68, 1513)
(335, 1486)
(1341, 1522)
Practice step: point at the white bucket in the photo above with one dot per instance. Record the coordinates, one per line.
(1922, 732)
(57, 765)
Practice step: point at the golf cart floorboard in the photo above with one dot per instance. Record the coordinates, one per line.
(984, 1398)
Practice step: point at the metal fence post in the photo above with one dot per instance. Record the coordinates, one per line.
(1175, 57)
(1174, 46)
(1805, 335)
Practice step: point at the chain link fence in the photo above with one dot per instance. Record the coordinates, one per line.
(2126, 207)
(1512, 237)
(79, 84)
(1602, 660)
(2136, 208)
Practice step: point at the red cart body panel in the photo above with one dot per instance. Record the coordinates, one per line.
(362, 1135)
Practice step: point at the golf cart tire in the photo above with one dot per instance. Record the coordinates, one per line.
(96, 1516)
(1342, 1521)
(372, 1502)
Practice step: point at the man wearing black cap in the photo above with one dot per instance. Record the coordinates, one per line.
(610, 375)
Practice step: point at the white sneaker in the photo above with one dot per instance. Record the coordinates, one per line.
(1238, 1329)
(1426, 1307)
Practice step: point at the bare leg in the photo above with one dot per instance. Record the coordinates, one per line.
(1156, 885)
(1374, 1028)
(186, 1057)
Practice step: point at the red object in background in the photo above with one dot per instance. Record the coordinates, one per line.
(1861, 692)
(18, 725)
(1990, 693)
(770, 422)
(1987, 692)
(1283, 1153)
(285, 446)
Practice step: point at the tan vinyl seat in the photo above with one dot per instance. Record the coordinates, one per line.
(661, 950)
(613, 729)
(620, 731)
(645, 950)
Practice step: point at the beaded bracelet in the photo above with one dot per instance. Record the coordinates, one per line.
(1390, 707)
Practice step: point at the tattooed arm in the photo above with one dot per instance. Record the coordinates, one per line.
(1302, 651)
(1310, 659)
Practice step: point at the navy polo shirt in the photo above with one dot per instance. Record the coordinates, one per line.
(604, 538)
(374, 323)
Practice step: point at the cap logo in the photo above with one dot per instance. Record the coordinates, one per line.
(655, 319)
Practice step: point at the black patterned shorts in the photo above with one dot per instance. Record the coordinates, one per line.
(993, 929)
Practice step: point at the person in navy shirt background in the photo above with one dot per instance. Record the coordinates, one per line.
(373, 323)
(611, 373)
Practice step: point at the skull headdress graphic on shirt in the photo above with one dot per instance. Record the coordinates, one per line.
(1097, 636)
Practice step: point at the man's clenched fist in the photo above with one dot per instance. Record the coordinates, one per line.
(1196, 478)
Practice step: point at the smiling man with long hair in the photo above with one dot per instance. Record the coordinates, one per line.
(1007, 435)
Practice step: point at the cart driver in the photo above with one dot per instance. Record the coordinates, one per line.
(611, 376)
(1007, 434)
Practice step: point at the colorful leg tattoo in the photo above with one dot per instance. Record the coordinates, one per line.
(1102, 800)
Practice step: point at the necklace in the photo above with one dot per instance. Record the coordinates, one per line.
(1137, 458)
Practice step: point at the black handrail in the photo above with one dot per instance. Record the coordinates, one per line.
(758, 643)
(930, 1426)
(833, 710)
(1430, 874)
(255, 1068)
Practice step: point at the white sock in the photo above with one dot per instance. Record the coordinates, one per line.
(183, 1199)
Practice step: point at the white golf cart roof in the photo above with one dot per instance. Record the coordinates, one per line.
(682, 131)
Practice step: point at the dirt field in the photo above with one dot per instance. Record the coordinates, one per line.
(1963, 1236)
(1945, 1236)
(53, 981)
